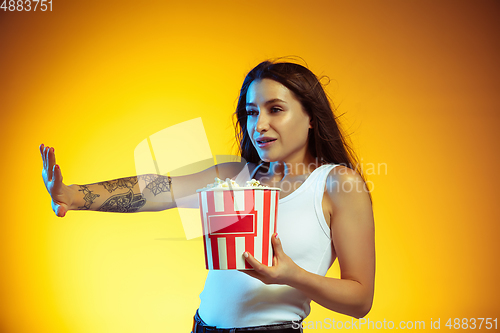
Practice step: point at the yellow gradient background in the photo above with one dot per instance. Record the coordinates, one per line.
(417, 82)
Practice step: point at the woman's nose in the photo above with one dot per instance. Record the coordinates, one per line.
(262, 123)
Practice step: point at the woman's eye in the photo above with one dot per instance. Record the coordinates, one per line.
(251, 113)
(274, 110)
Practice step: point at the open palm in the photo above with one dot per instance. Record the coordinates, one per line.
(61, 194)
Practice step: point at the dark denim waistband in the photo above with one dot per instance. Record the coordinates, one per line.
(199, 326)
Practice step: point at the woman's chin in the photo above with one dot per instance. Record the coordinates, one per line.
(266, 159)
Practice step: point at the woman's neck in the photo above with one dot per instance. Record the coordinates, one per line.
(282, 169)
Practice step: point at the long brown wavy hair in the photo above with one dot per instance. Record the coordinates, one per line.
(327, 141)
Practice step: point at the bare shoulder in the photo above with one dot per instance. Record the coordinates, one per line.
(343, 174)
(346, 188)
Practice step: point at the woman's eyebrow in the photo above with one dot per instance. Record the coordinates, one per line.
(274, 100)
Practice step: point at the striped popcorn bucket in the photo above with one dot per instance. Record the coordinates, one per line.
(238, 220)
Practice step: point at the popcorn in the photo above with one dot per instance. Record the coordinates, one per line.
(254, 183)
(219, 183)
(230, 183)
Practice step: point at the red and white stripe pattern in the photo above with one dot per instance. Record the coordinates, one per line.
(235, 222)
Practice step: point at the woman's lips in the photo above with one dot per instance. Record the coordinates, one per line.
(265, 144)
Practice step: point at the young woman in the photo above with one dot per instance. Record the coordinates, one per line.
(287, 133)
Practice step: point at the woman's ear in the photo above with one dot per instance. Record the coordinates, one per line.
(311, 124)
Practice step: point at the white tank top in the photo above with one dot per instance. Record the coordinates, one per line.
(231, 298)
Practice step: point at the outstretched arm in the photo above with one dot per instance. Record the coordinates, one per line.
(352, 229)
(149, 192)
(122, 195)
(141, 193)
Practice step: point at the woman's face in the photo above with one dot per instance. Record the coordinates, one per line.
(276, 122)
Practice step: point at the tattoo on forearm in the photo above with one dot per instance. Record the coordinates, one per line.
(112, 185)
(89, 197)
(156, 183)
(123, 203)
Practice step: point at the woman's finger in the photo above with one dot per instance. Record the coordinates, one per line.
(57, 175)
(46, 160)
(41, 153)
(250, 259)
(46, 156)
(59, 210)
(43, 157)
(52, 161)
(278, 250)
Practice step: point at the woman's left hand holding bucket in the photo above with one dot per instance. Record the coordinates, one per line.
(282, 270)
